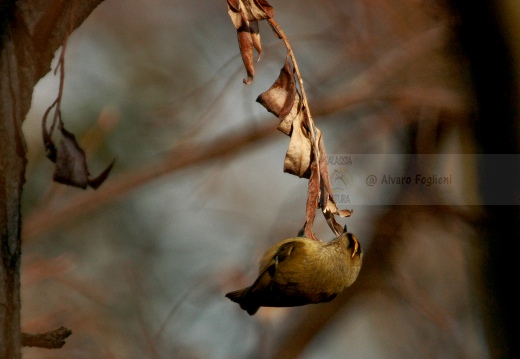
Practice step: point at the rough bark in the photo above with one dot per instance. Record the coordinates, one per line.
(30, 33)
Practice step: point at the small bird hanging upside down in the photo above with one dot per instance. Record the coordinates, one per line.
(299, 271)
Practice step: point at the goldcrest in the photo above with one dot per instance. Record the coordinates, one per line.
(299, 271)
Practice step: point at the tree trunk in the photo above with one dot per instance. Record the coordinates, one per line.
(30, 33)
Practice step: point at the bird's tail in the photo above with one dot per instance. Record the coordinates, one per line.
(240, 296)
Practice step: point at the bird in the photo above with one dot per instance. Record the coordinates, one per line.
(300, 270)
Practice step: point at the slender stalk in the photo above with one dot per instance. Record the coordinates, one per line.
(312, 131)
(310, 122)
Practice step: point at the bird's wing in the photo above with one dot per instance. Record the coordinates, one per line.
(271, 261)
(280, 253)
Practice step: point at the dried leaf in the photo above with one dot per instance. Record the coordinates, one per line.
(255, 38)
(98, 181)
(329, 212)
(234, 5)
(69, 158)
(324, 168)
(264, 5)
(245, 43)
(283, 100)
(252, 9)
(286, 123)
(234, 13)
(279, 99)
(71, 164)
(328, 204)
(245, 15)
(345, 212)
(313, 194)
(299, 154)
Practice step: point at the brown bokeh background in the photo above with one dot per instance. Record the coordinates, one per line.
(139, 268)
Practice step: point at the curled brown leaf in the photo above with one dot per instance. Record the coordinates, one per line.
(245, 15)
(245, 43)
(306, 156)
(313, 194)
(327, 202)
(283, 100)
(71, 164)
(98, 181)
(70, 160)
(280, 97)
(251, 10)
(330, 210)
(299, 154)
(286, 122)
(255, 38)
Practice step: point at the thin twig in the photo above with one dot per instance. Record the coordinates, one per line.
(50, 340)
(61, 67)
(308, 121)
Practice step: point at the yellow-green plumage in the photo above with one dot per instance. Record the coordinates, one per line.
(299, 271)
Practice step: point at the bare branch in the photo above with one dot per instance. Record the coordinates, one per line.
(51, 340)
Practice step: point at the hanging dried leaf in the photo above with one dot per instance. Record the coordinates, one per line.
(71, 165)
(250, 10)
(299, 154)
(245, 43)
(98, 181)
(245, 15)
(306, 156)
(330, 210)
(327, 203)
(255, 37)
(313, 194)
(283, 100)
(319, 194)
(280, 97)
(324, 168)
(286, 123)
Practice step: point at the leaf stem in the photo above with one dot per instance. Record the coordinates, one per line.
(290, 52)
(310, 122)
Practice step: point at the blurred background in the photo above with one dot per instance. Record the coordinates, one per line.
(139, 267)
